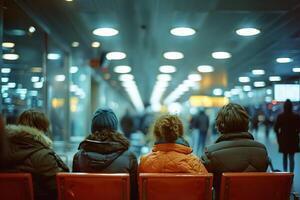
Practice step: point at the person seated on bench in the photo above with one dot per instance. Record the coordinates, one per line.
(28, 149)
(235, 150)
(171, 153)
(106, 151)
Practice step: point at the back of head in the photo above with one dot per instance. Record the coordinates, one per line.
(288, 106)
(232, 118)
(168, 128)
(35, 119)
(104, 119)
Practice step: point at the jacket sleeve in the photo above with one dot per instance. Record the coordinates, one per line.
(133, 177)
(47, 164)
(75, 166)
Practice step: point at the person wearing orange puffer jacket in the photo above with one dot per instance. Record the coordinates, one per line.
(171, 153)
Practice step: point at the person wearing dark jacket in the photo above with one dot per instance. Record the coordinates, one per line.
(28, 149)
(106, 150)
(235, 150)
(287, 128)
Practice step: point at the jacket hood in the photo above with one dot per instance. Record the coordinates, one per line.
(172, 147)
(98, 155)
(104, 147)
(22, 141)
(234, 136)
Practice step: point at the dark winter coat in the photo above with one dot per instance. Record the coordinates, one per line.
(236, 152)
(29, 150)
(287, 128)
(107, 157)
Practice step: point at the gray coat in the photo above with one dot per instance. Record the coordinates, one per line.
(236, 152)
(107, 157)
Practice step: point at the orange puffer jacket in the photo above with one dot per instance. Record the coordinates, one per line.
(171, 158)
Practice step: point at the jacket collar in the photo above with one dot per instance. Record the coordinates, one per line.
(172, 147)
(180, 140)
(20, 133)
(234, 136)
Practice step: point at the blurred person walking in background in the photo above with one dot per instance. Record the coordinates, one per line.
(200, 122)
(287, 128)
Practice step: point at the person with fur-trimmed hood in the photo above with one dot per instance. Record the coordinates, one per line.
(28, 149)
(106, 151)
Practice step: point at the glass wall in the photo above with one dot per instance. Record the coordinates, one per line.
(21, 70)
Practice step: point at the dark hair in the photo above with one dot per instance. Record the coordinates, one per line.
(109, 135)
(232, 118)
(35, 119)
(288, 106)
(168, 127)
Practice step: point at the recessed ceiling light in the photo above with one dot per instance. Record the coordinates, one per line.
(217, 91)
(173, 55)
(68, 0)
(38, 85)
(35, 79)
(221, 55)
(269, 91)
(10, 56)
(244, 79)
(122, 69)
(258, 72)
(284, 60)
(53, 56)
(106, 32)
(75, 44)
(4, 79)
(95, 44)
(167, 69)
(31, 29)
(162, 84)
(8, 44)
(11, 85)
(296, 69)
(247, 88)
(115, 55)
(247, 31)
(259, 84)
(73, 69)
(195, 77)
(5, 70)
(164, 77)
(182, 31)
(205, 68)
(126, 77)
(274, 78)
(60, 78)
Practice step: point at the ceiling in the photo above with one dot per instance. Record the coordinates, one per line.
(144, 35)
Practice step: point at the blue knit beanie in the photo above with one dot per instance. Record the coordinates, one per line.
(104, 119)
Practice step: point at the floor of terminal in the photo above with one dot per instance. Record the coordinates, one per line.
(68, 152)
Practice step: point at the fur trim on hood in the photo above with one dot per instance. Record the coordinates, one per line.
(19, 131)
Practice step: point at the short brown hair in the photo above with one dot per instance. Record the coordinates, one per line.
(35, 119)
(168, 127)
(232, 118)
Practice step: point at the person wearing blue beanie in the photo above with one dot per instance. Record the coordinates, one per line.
(105, 150)
(104, 119)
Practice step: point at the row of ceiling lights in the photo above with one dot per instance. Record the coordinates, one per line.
(127, 79)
